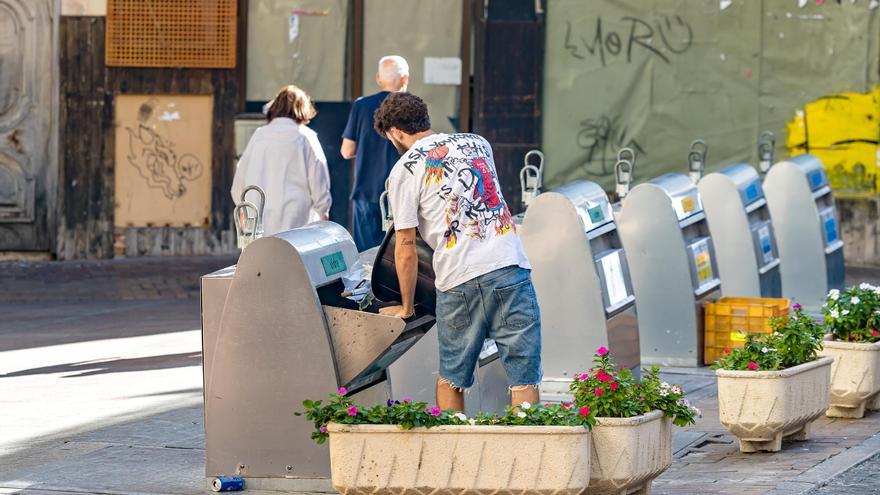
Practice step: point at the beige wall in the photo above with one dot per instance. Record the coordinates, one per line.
(84, 7)
(313, 59)
(415, 30)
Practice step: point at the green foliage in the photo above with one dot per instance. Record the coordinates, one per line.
(611, 392)
(409, 414)
(794, 340)
(854, 314)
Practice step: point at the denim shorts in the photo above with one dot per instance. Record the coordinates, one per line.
(500, 305)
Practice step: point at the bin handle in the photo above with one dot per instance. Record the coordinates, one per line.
(623, 172)
(258, 227)
(539, 166)
(533, 172)
(626, 154)
(241, 232)
(385, 209)
(529, 171)
(766, 150)
(697, 159)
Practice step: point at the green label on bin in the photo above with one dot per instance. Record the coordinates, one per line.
(333, 263)
(596, 214)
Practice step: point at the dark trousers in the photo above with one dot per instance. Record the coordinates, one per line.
(366, 224)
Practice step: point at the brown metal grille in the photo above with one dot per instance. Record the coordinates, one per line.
(171, 33)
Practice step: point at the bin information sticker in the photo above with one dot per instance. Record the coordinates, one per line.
(816, 179)
(766, 244)
(737, 336)
(596, 214)
(687, 204)
(333, 263)
(703, 262)
(752, 192)
(614, 283)
(830, 227)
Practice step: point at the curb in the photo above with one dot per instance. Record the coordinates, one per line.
(820, 474)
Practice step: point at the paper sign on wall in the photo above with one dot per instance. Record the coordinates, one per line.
(443, 70)
(163, 160)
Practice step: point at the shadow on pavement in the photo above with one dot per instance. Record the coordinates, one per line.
(90, 368)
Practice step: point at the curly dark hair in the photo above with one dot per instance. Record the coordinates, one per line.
(404, 111)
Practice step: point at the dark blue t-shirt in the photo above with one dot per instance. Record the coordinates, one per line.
(375, 155)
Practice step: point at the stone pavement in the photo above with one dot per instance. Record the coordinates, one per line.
(100, 393)
(122, 279)
(860, 480)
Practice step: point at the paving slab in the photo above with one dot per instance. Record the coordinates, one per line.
(100, 393)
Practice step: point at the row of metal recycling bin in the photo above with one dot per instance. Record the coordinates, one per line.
(630, 275)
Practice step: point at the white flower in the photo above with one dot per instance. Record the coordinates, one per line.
(525, 405)
(765, 350)
(472, 421)
(461, 416)
(521, 414)
(676, 390)
(664, 385)
(866, 286)
(664, 393)
(834, 314)
(833, 294)
(696, 411)
(855, 300)
(844, 312)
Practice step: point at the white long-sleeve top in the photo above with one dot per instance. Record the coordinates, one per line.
(286, 160)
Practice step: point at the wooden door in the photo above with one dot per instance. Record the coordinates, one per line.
(27, 102)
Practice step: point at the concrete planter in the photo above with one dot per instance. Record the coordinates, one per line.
(628, 453)
(855, 378)
(763, 407)
(385, 459)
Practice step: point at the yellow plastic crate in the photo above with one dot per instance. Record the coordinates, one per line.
(727, 316)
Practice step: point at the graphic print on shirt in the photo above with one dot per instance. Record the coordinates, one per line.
(434, 165)
(468, 185)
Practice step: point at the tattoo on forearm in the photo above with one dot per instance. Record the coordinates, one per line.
(407, 242)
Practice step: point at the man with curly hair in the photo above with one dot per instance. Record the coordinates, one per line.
(445, 187)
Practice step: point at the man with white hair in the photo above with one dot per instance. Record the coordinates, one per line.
(374, 155)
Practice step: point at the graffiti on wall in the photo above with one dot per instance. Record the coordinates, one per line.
(843, 131)
(660, 38)
(601, 138)
(162, 159)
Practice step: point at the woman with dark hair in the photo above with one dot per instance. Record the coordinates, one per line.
(285, 159)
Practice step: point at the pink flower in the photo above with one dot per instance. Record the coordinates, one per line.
(603, 377)
(753, 365)
(796, 307)
(875, 333)
(407, 400)
(436, 411)
(726, 351)
(602, 351)
(598, 392)
(614, 386)
(342, 391)
(583, 377)
(584, 411)
(352, 411)
(324, 429)
(566, 405)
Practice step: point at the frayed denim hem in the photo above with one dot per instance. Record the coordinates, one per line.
(449, 383)
(520, 388)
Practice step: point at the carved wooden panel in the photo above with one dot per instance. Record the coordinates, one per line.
(26, 85)
(171, 33)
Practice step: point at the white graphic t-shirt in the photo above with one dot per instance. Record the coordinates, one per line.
(446, 185)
